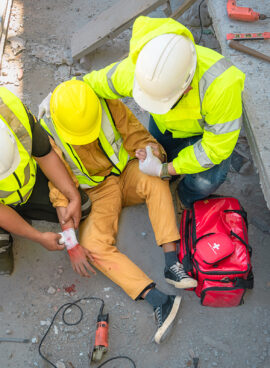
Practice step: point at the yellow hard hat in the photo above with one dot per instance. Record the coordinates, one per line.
(76, 112)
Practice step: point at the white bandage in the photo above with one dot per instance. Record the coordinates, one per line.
(68, 238)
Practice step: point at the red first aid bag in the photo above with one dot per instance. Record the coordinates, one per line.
(214, 250)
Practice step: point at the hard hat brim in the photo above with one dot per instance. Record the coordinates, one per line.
(152, 105)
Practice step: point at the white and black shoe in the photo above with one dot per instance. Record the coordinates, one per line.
(176, 276)
(165, 316)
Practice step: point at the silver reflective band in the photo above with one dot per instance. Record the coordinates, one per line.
(109, 79)
(201, 155)
(86, 205)
(17, 127)
(228, 127)
(4, 237)
(211, 74)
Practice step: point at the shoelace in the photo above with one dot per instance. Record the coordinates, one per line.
(158, 316)
(179, 270)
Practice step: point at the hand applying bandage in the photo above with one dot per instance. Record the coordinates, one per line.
(78, 255)
(151, 165)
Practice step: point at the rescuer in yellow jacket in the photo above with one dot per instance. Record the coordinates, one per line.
(99, 140)
(193, 94)
(24, 191)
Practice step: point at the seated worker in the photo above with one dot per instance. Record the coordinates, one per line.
(194, 96)
(24, 191)
(99, 139)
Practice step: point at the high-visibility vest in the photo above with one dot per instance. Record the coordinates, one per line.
(212, 109)
(111, 143)
(17, 187)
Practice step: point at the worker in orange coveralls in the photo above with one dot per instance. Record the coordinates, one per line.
(107, 150)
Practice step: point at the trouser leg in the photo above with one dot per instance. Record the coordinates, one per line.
(98, 234)
(192, 187)
(138, 187)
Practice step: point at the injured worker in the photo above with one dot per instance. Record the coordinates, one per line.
(107, 150)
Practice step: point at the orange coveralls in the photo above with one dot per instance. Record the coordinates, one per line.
(99, 230)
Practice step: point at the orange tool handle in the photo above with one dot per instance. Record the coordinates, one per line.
(248, 36)
(241, 13)
(101, 338)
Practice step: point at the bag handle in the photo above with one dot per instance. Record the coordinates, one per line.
(242, 241)
(242, 213)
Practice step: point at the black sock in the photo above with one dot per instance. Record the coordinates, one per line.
(156, 297)
(170, 258)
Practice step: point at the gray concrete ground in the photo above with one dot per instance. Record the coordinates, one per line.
(36, 59)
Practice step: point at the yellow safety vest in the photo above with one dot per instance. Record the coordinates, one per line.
(111, 143)
(18, 186)
(212, 109)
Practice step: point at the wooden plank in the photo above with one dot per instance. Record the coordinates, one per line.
(6, 10)
(109, 24)
(183, 8)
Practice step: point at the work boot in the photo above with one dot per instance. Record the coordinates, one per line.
(6, 253)
(165, 316)
(176, 276)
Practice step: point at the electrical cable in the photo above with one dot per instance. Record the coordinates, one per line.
(200, 21)
(66, 306)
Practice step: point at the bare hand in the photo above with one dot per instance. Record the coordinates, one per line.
(50, 241)
(79, 260)
(73, 212)
(141, 153)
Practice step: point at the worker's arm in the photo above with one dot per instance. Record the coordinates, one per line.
(12, 222)
(135, 136)
(56, 172)
(223, 120)
(114, 81)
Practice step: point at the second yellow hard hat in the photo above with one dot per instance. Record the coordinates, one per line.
(76, 112)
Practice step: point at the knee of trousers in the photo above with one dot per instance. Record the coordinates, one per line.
(152, 184)
(203, 185)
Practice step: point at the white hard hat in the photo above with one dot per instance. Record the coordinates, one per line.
(164, 69)
(9, 153)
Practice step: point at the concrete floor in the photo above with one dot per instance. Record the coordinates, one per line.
(225, 338)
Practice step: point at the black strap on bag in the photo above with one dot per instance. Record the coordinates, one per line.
(243, 241)
(245, 284)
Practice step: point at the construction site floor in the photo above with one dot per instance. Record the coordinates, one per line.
(36, 58)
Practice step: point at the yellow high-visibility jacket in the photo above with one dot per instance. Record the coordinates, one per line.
(111, 143)
(213, 108)
(17, 187)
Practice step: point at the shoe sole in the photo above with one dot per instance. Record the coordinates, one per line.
(164, 331)
(183, 284)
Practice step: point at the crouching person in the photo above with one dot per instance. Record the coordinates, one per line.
(26, 161)
(100, 140)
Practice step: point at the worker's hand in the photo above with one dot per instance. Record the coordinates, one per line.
(73, 212)
(44, 107)
(79, 257)
(141, 153)
(151, 165)
(51, 241)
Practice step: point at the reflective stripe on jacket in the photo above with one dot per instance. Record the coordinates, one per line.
(17, 187)
(110, 142)
(213, 108)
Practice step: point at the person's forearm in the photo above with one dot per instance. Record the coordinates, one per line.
(61, 212)
(56, 172)
(171, 169)
(12, 222)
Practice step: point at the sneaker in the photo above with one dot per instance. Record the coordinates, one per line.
(165, 316)
(176, 276)
(6, 253)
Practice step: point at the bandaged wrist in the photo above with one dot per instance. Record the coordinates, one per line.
(69, 237)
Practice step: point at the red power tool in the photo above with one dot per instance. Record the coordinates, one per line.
(101, 339)
(244, 14)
